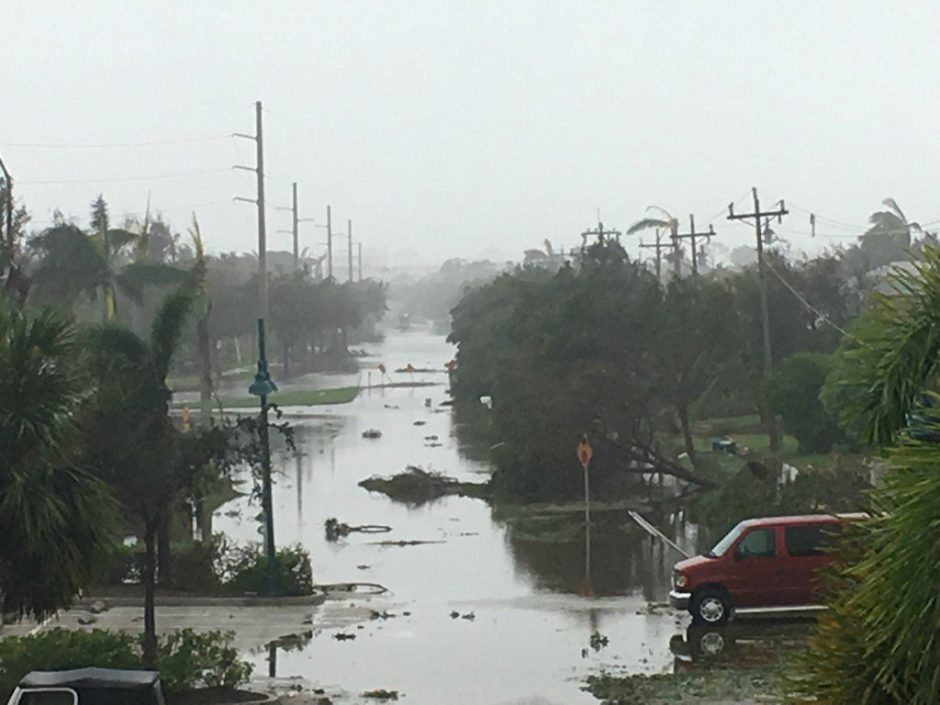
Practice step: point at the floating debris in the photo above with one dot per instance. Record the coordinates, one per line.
(381, 694)
(342, 636)
(598, 641)
(417, 486)
(335, 529)
(372, 433)
(419, 422)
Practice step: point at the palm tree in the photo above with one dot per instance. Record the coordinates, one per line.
(890, 236)
(666, 221)
(879, 644)
(128, 435)
(55, 518)
(74, 264)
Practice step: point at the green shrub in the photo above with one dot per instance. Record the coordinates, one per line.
(188, 660)
(246, 571)
(196, 565)
(60, 649)
(185, 659)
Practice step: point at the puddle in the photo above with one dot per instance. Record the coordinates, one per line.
(529, 639)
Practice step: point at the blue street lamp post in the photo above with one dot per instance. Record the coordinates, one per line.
(262, 386)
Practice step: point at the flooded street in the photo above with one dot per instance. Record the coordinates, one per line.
(523, 634)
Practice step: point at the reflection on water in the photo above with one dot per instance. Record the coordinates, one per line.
(519, 577)
(739, 645)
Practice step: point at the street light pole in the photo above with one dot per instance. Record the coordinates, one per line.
(262, 386)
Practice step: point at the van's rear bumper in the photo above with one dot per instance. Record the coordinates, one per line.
(680, 600)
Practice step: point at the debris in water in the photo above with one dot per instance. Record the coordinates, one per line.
(363, 567)
(470, 616)
(598, 641)
(430, 438)
(417, 486)
(342, 636)
(454, 614)
(419, 422)
(335, 529)
(381, 615)
(404, 543)
(372, 433)
(381, 694)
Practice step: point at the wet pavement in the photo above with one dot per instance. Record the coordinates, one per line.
(521, 633)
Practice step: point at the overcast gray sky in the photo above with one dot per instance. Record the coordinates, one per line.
(464, 128)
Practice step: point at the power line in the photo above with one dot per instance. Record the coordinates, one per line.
(112, 145)
(120, 179)
(803, 300)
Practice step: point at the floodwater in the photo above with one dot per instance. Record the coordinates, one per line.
(523, 634)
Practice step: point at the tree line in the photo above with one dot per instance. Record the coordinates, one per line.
(602, 346)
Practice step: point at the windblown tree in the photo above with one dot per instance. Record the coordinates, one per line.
(665, 221)
(73, 264)
(695, 345)
(560, 355)
(127, 433)
(56, 519)
(879, 643)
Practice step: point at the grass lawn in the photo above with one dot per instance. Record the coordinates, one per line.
(298, 397)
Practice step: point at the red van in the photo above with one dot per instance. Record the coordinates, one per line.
(762, 565)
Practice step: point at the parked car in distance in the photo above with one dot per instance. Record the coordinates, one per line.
(89, 686)
(761, 565)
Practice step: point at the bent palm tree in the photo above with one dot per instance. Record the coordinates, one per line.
(55, 519)
(667, 222)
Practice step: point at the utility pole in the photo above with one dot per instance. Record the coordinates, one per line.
(659, 246)
(676, 251)
(359, 245)
(349, 246)
(8, 181)
(773, 431)
(258, 137)
(601, 234)
(262, 385)
(294, 225)
(710, 233)
(329, 244)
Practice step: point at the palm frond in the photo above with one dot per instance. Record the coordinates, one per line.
(168, 327)
(119, 238)
(895, 208)
(648, 223)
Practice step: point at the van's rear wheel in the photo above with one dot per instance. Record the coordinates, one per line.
(710, 606)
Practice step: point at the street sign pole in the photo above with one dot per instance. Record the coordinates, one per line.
(585, 452)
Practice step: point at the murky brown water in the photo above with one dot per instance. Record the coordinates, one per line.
(529, 641)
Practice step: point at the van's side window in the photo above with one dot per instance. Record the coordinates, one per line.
(808, 540)
(759, 543)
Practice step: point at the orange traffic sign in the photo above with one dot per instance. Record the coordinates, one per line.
(584, 452)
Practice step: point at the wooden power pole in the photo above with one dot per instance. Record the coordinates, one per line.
(691, 235)
(659, 246)
(359, 246)
(773, 431)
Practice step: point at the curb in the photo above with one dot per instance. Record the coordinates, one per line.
(196, 601)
